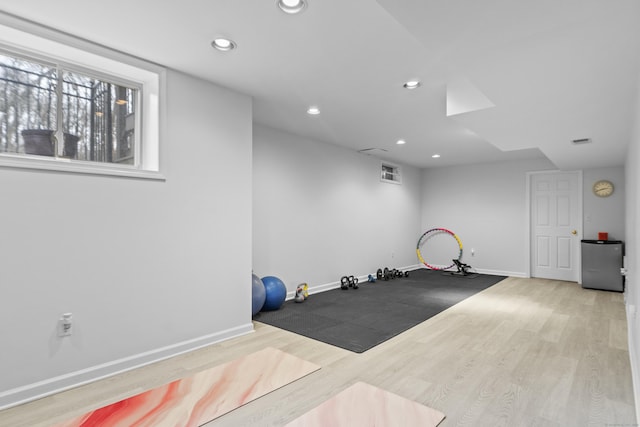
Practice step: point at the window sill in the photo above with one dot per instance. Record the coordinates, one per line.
(76, 166)
(390, 181)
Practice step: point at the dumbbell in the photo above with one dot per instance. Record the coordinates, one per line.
(353, 282)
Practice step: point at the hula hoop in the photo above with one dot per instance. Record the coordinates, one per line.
(436, 230)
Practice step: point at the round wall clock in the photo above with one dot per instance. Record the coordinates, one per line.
(603, 188)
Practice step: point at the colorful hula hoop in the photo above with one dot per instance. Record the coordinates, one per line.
(424, 238)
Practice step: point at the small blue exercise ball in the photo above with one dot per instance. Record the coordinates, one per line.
(276, 292)
(258, 295)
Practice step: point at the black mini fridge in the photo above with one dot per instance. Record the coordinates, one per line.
(602, 261)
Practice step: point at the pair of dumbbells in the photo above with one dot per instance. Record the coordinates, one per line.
(385, 274)
(347, 282)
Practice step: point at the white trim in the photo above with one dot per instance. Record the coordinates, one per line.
(363, 280)
(580, 226)
(75, 166)
(520, 274)
(633, 355)
(485, 271)
(40, 41)
(30, 392)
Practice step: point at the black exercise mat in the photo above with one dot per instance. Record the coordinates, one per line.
(359, 319)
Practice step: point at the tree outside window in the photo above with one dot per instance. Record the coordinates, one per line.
(49, 110)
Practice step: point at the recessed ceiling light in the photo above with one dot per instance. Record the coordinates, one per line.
(412, 84)
(401, 142)
(436, 156)
(223, 44)
(292, 6)
(314, 111)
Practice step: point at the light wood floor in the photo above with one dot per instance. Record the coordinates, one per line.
(525, 352)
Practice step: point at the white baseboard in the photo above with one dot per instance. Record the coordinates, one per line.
(29, 392)
(335, 285)
(501, 273)
(363, 279)
(488, 272)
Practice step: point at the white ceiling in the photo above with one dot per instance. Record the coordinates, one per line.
(531, 75)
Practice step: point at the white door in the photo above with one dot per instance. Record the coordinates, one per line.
(556, 225)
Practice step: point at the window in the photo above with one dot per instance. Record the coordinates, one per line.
(390, 173)
(79, 111)
(96, 118)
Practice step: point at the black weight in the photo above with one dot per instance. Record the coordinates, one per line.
(344, 283)
(379, 274)
(386, 273)
(406, 274)
(355, 283)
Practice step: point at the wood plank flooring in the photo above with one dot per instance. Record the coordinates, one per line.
(525, 352)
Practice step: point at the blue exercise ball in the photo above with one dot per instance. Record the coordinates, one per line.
(276, 292)
(258, 295)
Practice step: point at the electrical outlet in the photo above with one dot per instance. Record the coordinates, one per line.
(65, 325)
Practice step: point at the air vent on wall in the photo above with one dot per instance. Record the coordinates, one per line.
(581, 141)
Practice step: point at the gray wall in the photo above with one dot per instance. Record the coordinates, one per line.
(174, 273)
(604, 213)
(321, 212)
(148, 268)
(485, 205)
(632, 249)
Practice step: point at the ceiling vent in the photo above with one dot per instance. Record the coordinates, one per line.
(372, 151)
(581, 141)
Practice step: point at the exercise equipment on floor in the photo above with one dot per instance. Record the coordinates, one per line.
(387, 274)
(463, 269)
(275, 291)
(430, 233)
(302, 292)
(347, 282)
(258, 295)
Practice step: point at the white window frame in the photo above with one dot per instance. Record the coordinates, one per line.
(397, 173)
(46, 44)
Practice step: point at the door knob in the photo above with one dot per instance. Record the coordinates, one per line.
(574, 232)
